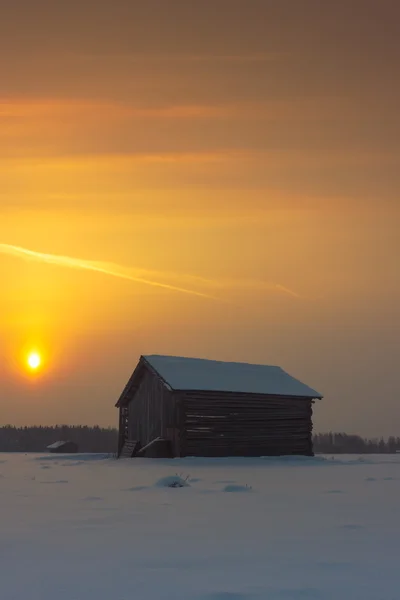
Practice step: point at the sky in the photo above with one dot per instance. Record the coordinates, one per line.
(214, 178)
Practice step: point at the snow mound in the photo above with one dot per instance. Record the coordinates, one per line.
(173, 481)
(237, 488)
(74, 457)
(55, 481)
(136, 488)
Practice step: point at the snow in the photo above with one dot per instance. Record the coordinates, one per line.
(57, 445)
(97, 528)
(200, 374)
(173, 481)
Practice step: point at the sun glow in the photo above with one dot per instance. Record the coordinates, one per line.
(34, 361)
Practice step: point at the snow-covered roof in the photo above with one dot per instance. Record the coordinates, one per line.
(210, 375)
(57, 445)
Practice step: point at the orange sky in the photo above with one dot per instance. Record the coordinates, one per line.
(243, 152)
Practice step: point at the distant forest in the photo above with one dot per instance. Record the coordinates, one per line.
(36, 439)
(98, 439)
(342, 443)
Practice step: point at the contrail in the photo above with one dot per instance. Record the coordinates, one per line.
(287, 290)
(99, 267)
(147, 277)
(255, 284)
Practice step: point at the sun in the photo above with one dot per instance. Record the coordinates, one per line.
(34, 361)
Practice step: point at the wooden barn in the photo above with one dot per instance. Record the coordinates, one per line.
(197, 407)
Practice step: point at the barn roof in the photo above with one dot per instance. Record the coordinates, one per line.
(58, 445)
(209, 375)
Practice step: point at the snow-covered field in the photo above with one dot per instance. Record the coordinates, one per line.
(87, 527)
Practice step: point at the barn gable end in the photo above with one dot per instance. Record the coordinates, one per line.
(147, 409)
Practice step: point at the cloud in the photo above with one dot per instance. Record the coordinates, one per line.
(262, 286)
(256, 57)
(86, 110)
(52, 108)
(49, 109)
(120, 162)
(148, 277)
(105, 268)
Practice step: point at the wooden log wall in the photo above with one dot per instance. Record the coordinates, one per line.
(233, 424)
(123, 432)
(151, 410)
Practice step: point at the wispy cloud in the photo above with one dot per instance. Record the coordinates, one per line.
(259, 285)
(53, 108)
(187, 283)
(114, 270)
(183, 58)
(50, 109)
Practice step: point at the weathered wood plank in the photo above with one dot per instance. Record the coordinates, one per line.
(151, 411)
(231, 424)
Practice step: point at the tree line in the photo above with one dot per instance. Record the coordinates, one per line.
(36, 439)
(100, 439)
(343, 443)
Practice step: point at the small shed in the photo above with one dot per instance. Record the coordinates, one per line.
(212, 408)
(61, 447)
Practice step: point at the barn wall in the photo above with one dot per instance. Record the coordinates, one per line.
(232, 424)
(151, 412)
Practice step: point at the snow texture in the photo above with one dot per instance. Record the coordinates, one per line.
(200, 374)
(318, 528)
